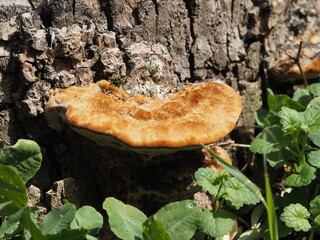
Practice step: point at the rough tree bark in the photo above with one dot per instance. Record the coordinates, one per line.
(150, 47)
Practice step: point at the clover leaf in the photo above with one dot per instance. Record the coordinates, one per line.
(302, 177)
(296, 216)
(238, 194)
(272, 139)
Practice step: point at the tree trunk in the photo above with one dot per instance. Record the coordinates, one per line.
(148, 47)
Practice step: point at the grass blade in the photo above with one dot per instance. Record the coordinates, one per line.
(271, 211)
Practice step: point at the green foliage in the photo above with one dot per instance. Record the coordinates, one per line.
(13, 195)
(315, 211)
(222, 185)
(88, 218)
(154, 230)
(238, 175)
(302, 177)
(11, 226)
(272, 139)
(58, 219)
(29, 223)
(210, 180)
(175, 221)
(122, 216)
(216, 224)
(290, 120)
(18, 164)
(315, 137)
(25, 156)
(70, 234)
(314, 89)
(237, 194)
(291, 138)
(56, 225)
(302, 96)
(180, 219)
(296, 216)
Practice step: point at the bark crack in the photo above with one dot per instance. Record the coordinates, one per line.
(232, 7)
(107, 9)
(156, 7)
(190, 10)
(74, 8)
(31, 4)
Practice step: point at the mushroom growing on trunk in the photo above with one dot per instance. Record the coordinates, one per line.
(201, 114)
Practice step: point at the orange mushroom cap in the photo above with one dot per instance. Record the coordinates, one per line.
(309, 61)
(203, 113)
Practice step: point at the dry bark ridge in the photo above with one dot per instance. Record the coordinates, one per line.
(202, 114)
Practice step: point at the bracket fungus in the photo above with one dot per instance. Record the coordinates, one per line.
(201, 114)
(307, 54)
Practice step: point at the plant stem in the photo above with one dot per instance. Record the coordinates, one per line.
(270, 207)
(302, 157)
(220, 205)
(311, 235)
(216, 206)
(291, 151)
(296, 145)
(296, 60)
(232, 144)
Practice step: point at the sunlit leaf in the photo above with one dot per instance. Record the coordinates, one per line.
(290, 119)
(296, 216)
(302, 177)
(180, 219)
(237, 194)
(123, 216)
